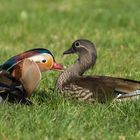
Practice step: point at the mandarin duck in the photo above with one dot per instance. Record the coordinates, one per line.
(74, 84)
(24, 71)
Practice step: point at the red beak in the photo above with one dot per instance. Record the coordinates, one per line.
(57, 66)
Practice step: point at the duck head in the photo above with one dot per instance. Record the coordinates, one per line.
(43, 57)
(82, 46)
(45, 60)
(86, 51)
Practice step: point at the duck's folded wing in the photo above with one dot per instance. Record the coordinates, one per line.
(127, 88)
(6, 78)
(104, 86)
(9, 86)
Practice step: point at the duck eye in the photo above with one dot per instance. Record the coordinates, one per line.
(44, 61)
(77, 44)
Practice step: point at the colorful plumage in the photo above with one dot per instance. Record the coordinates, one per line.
(41, 56)
(74, 84)
(25, 69)
(19, 90)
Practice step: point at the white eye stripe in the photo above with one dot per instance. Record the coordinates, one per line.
(39, 57)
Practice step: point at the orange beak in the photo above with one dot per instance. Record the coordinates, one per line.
(57, 66)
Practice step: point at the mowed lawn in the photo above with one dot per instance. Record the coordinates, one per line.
(114, 25)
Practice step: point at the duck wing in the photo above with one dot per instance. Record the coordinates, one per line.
(6, 78)
(10, 87)
(103, 88)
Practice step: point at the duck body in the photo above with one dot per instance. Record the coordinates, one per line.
(74, 84)
(100, 88)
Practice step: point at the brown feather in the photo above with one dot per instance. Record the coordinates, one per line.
(104, 87)
(31, 76)
(28, 73)
(5, 78)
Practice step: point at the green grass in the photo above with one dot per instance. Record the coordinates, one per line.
(113, 25)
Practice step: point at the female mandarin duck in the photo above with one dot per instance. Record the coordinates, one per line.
(24, 71)
(92, 88)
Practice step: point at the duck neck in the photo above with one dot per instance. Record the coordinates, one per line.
(83, 63)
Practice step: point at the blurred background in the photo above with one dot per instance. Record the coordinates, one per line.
(113, 25)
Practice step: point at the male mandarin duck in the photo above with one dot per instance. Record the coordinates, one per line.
(74, 84)
(25, 69)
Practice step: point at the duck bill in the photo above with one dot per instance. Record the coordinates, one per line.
(57, 66)
(69, 51)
